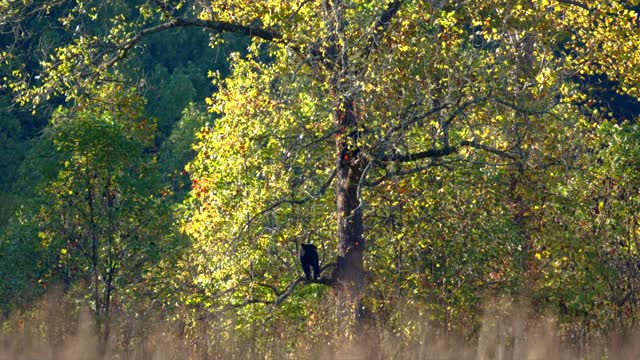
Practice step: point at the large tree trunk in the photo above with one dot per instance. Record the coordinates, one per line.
(349, 273)
(349, 211)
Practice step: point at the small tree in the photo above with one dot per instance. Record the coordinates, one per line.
(103, 219)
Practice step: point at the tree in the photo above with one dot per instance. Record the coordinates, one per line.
(101, 220)
(177, 151)
(336, 100)
(174, 95)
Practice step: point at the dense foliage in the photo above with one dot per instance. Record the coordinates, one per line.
(440, 155)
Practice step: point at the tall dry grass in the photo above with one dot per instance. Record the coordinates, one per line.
(57, 328)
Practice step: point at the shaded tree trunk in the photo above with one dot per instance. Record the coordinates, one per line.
(349, 210)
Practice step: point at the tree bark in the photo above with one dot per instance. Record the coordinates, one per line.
(350, 227)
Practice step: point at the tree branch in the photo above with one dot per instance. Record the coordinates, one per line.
(447, 150)
(522, 110)
(415, 118)
(282, 295)
(218, 26)
(388, 175)
(489, 149)
(382, 24)
(462, 107)
(438, 153)
(432, 153)
(320, 192)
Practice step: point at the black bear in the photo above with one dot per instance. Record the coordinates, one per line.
(309, 260)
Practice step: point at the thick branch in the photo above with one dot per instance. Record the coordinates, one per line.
(218, 26)
(282, 295)
(432, 153)
(447, 150)
(289, 289)
(438, 153)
